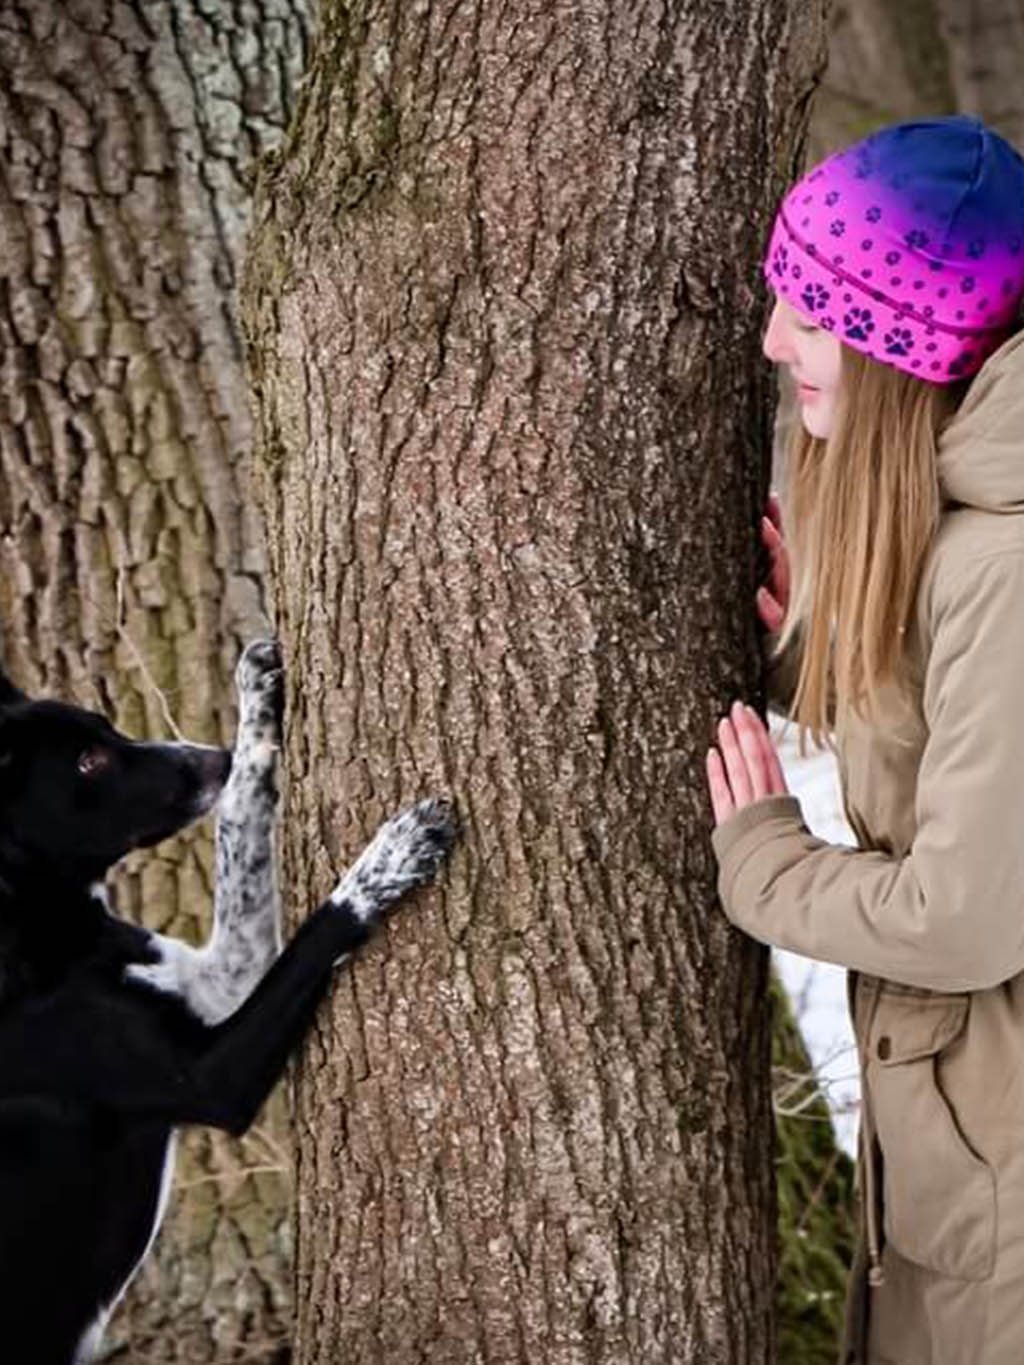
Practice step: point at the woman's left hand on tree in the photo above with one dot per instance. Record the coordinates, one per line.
(744, 767)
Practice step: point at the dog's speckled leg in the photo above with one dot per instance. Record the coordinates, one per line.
(215, 979)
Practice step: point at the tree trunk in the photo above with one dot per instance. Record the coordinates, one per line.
(504, 311)
(131, 568)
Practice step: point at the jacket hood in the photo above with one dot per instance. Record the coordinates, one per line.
(981, 451)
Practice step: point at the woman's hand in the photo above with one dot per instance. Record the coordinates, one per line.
(773, 598)
(747, 768)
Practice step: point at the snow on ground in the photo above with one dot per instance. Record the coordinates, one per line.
(818, 989)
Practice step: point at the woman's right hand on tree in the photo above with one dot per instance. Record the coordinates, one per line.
(773, 596)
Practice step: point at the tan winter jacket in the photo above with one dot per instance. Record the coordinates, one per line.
(928, 913)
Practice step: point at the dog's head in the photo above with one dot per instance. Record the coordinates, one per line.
(76, 795)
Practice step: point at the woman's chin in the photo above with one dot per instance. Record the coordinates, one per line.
(816, 424)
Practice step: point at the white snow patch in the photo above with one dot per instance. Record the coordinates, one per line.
(818, 989)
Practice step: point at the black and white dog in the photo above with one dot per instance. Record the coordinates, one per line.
(112, 1036)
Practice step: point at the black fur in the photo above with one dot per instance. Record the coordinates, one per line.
(107, 1043)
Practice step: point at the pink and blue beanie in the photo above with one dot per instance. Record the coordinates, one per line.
(909, 246)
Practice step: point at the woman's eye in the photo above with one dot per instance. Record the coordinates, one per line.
(93, 761)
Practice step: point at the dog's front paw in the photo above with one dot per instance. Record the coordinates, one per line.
(259, 678)
(405, 852)
(418, 839)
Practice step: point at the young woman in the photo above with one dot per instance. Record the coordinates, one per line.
(898, 273)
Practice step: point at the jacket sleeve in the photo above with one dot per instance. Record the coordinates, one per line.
(950, 914)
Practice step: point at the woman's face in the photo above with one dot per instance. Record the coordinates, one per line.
(811, 354)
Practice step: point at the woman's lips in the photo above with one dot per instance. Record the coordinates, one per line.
(806, 391)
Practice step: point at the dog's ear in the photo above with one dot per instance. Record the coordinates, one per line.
(6, 751)
(9, 694)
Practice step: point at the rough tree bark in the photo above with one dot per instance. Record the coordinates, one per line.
(504, 307)
(129, 562)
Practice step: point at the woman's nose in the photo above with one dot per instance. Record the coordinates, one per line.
(776, 343)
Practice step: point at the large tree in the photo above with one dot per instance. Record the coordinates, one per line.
(504, 312)
(131, 566)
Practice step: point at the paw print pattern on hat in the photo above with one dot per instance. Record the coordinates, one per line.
(943, 259)
(900, 341)
(780, 261)
(815, 297)
(858, 324)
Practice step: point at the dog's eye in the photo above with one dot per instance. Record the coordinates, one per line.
(93, 761)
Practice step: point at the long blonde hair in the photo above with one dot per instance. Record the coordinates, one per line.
(862, 509)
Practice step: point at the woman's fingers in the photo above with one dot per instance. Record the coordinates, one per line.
(745, 767)
(771, 535)
(735, 761)
(749, 730)
(721, 797)
(774, 778)
(773, 542)
(770, 610)
(774, 506)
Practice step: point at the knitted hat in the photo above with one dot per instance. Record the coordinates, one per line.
(909, 245)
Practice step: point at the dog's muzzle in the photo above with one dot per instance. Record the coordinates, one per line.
(213, 767)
